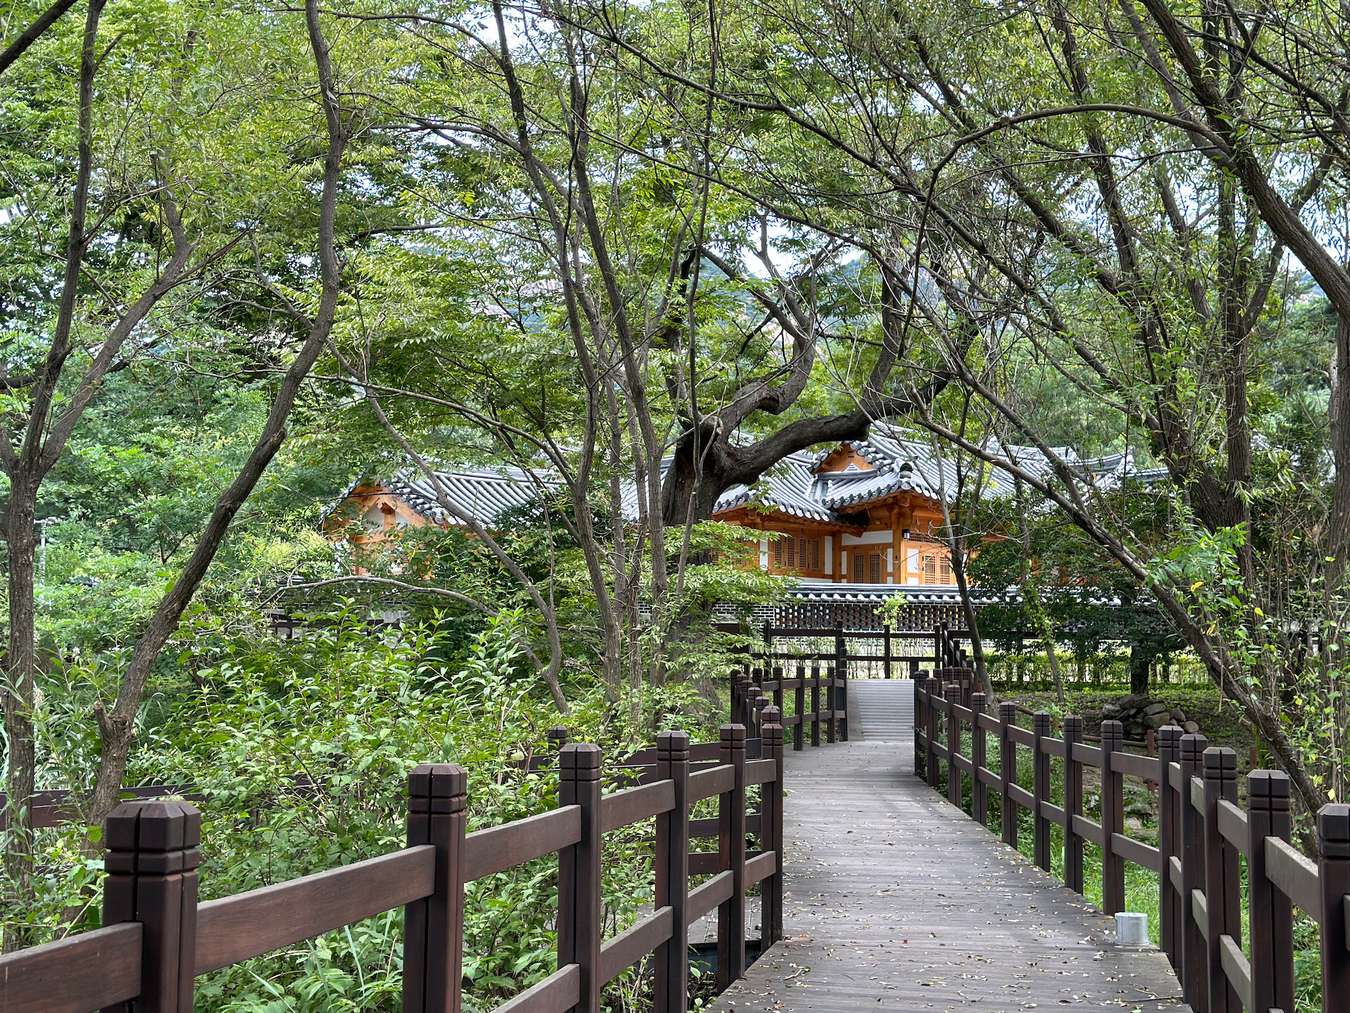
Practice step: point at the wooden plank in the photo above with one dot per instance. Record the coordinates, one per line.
(74, 975)
(1233, 825)
(1090, 755)
(709, 895)
(1197, 794)
(989, 722)
(760, 867)
(707, 783)
(633, 805)
(1022, 736)
(557, 993)
(990, 777)
(634, 943)
(1053, 747)
(1294, 874)
(708, 827)
(1236, 969)
(1052, 812)
(249, 924)
(1147, 767)
(1141, 854)
(963, 764)
(1089, 830)
(498, 848)
(1174, 872)
(1200, 914)
(1021, 796)
(760, 771)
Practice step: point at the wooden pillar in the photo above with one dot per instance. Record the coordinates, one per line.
(840, 694)
(934, 709)
(1271, 913)
(815, 704)
(1222, 883)
(771, 832)
(979, 791)
(920, 723)
(777, 691)
(579, 907)
(433, 933)
(1113, 819)
(1194, 978)
(830, 727)
(953, 694)
(731, 853)
(670, 989)
(1007, 762)
(1169, 907)
(151, 861)
(1073, 804)
(1333, 877)
(1040, 783)
(799, 708)
(886, 651)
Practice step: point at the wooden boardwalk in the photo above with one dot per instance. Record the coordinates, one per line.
(896, 901)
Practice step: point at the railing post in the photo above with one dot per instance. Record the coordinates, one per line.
(1222, 902)
(1113, 819)
(937, 649)
(433, 927)
(778, 687)
(1040, 783)
(761, 705)
(799, 707)
(736, 686)
(151, 861)
(1169, 928)
(731, 852)
(953, 745)
(1333, 876)
(579, 908)
(886, 651)
(979, 791)
(815, 704)
(1073, 804)
(1007, 764)
(1271, 914)
(830, 728)
(934, 715)
(670, 991)
(920, 723)
(771, 832)
(840, 694)
(1193, 951)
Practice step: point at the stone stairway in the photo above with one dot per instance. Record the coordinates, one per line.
(881, 710)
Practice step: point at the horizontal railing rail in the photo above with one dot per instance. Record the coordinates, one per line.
(1203, 839)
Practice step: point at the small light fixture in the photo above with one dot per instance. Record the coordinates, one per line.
(904, 533)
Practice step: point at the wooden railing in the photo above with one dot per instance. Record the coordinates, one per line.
(157, 938)
(818, 697)
(1202, 833)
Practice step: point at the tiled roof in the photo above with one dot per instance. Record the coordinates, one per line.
(900, 463)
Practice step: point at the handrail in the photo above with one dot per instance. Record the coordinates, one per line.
(1203, 833)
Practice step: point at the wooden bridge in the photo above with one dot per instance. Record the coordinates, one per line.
(865, 882)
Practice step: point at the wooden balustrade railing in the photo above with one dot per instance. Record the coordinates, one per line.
(818, 696)
(1202, 833)
(157, 938)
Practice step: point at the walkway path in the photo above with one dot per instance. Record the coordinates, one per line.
(895, 901)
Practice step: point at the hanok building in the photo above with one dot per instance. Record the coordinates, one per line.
(855, 523)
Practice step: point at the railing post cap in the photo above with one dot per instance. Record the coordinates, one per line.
(437, 780)
(1007, 710)
(772, 715)
(1040, 722)
(1268, 790)
(1220, 761)
(557, 732)
(673, 742)
(732, 733)
(1193, 746)
(154, 825)
(1333, 830)
(977, 701)
(1170, 733)
(1073, 726)
(580, 756)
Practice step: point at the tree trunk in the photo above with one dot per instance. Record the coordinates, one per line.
(696, 478)
(20, 670)
(1140, 662)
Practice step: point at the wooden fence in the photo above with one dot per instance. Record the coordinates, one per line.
(818, 697)
(1202, 834)
(157, 938)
